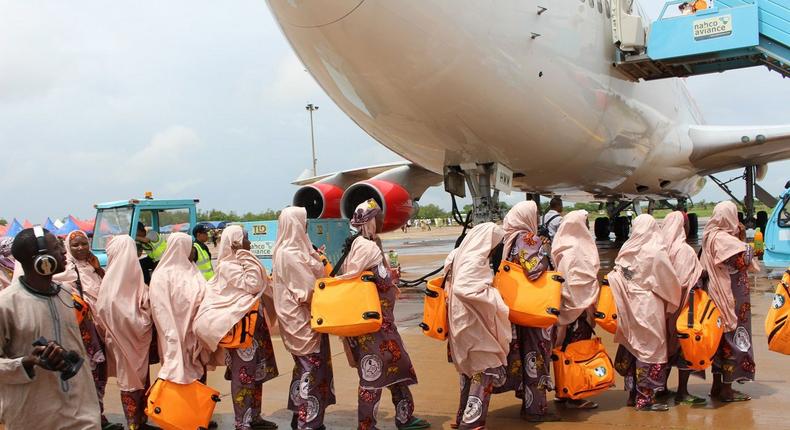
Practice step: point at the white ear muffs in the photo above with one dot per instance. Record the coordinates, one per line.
(44, 263)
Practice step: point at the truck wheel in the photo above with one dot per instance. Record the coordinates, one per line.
(622, 228)
(602, 228)
(693, 226)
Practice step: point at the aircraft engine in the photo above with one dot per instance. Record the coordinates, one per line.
(321, 199)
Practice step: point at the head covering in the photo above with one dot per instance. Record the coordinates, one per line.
(576, 256)
(480, 332)
(523, 217)
(681, 254)
(363, 254)
(295, 269)
(7, 262)
(239, 282)
(84, 271)
(364, 219)
(177, 289)
(122, 308)
(645, 289)
(719, 243)
(6, 259)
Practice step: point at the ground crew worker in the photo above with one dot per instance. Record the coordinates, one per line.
(154, 246)
(200, 254)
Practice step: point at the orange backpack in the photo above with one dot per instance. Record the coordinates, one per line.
(699, 330)
(532, 303)
(181, 406)
(582, 369)
(241, 334)
(434, 320)
(346, 307)
(776, 326)
(606, 309)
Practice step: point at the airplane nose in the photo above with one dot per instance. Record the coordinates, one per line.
(312, 13)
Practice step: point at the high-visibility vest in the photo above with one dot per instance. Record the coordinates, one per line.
(157, 249)
(203, 262)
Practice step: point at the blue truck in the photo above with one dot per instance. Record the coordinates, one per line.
(777, 233)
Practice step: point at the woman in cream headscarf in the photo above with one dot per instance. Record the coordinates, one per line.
(689, 271)
(177, 289)
(646, 291)
(576, 256)
(296, 267)
(479, 329)
(239, 282)
(7, 262)
(83, 276)
(380, 358)
(728, 259)
(122, 310)
(529, 359)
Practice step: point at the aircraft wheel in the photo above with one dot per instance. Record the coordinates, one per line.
(622, 227)
(693, 226)
(602, 228)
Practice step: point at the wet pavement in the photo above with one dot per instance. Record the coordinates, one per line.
(436, 395)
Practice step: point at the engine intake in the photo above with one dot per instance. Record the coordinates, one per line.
(321, 200)
(394, 199)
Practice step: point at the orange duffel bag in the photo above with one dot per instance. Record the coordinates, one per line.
(699, 330)
(776, 327)
(434, 315)
(606, 309)
(181, 407)
(346, 307)
(241, 334)
(532, 303)
(582, 369)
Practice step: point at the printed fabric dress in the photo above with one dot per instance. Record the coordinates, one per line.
(735, 358)
(382, 361)
(248, 369)
(529, 359)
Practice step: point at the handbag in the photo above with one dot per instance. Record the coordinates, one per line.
(606, 309)
(532, 303)
(776, 326)
(181, 406)
(582, 369)
(434, 321)
(699, 330)
(242, 333)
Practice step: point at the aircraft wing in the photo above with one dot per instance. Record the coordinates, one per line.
(353, 175)
(719, 148)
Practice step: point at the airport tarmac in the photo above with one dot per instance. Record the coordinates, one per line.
(436, 396)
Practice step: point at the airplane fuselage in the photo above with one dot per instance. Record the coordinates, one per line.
(444, 82)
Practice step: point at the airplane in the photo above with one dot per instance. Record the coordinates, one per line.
(508, 95)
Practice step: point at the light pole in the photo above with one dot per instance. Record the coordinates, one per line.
(310, 108)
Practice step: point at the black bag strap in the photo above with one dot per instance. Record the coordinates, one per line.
(79, 282)
(690, 322)
(546, 223)
(567, 340)
(343, 257)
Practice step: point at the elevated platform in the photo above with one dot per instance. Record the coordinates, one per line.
(731, 34)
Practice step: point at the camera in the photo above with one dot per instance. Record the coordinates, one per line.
(71, 358)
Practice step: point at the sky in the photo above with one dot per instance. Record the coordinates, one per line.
(103, 101)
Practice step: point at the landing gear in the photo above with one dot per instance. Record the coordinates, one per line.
(750, 176)
(614, 223)
(485, 203)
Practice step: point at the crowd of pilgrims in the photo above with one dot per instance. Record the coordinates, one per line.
(180, 318)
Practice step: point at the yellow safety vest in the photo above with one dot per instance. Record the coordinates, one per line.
(157, 249)
(204, 262)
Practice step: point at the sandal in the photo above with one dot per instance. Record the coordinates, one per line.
(655, 407)
(690, 400)
(736, 396)
(416, 424)
(262, 424)
(581, 404)
(663, 394)
(547, 418)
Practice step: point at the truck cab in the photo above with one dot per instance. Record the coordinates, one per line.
(777, 233)
(163, 216)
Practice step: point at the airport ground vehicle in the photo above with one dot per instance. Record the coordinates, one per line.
(777, 233)
(159, 215)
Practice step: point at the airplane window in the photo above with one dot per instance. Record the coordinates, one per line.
(600, 7)
(592, 3)
(608, 9)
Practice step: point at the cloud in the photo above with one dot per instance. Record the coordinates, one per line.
(289, 81)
